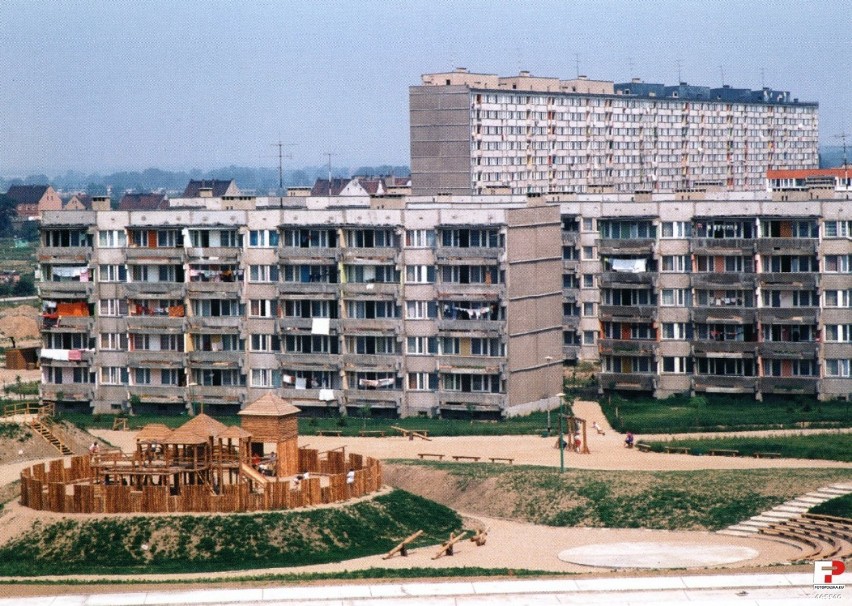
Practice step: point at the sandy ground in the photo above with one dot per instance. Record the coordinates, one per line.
(514, 544)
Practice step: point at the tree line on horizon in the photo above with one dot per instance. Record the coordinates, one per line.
(258, 180)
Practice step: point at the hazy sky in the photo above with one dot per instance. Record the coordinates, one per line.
(112, 85)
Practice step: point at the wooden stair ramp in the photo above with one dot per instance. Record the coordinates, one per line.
(43, 427)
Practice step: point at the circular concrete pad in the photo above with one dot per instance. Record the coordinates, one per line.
(656, 555)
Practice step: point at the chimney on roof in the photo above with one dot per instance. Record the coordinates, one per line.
(636, 80)
(524, 73)
(461, 70)
(582, 77)
(205, 192)
(100, 203)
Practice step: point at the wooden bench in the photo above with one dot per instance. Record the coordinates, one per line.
(502, 459)
(723, 452)
(767, 455)
(377, 432)
(677, 449)
(329, 432)
(423, 455)
(643, 447)
(465, 458)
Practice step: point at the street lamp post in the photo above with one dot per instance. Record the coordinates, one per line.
(561, 435)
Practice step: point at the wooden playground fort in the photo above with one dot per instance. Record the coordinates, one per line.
(205, 466)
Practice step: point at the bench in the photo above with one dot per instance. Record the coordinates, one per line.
(677, 449)
(767, 455)
(379, 433)
(502, 459)
(329, 432)
(643, 447)
(723, 452)
(465, 458)
(423, 455)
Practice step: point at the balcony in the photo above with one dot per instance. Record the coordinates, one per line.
(787, 246)
(158, 393)
(308, 288)
(465, 328)
(721, 349)
(156, 323)
(478, 292)
(570, 266)
(790, 385)
(472, 365)
(67, 391)
(306, 324)
(799, 315)
(722, 246)
(571, 321)
(721, 384)
(164, 290)
(621, 279)
(312, 396)
(235, 323)
(569, 295)
(628, 347)
(627, 381)
(83, 324)
(387, 289)
(64, 254)
(625, 312)
(570, 352)
(447, 254)
(216, 254)
(380, 325)
(570, 238)
(459, 400)
(138, 254)
(633, 246)
(312, 361)
(380, 362)
(739, 315)
(789, 280)
(799, 350)
(223, 290)
(156, 359)
(724, 281)
(385, 396)
(373, 254)
(219, 359)
(71, 358)
(219, 394)
(309, 256)
(66, 290)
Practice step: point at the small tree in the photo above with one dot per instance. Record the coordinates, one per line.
(366, 411)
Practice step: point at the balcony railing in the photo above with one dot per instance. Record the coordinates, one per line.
(218, 254)
(733, 348)
(449, 290)
(722, 246)
(220, 359)
(316, 360)
(791, 385)
(371, 288)
(800, 315)
(623, 279)
(292, 254)
(468, 327)
(787, 246)
(628, 381)
(383, 325)
(159, 393)
(66, 324)
(796, 280)
(445, 254)
(570, 238)
(633, 246)
(459, 400)
(726, 281)
(383, 254)
(67, 391)
(306, 324)
(308, 288)
(312, 394)
(167, 290)
(384, 362)
(135, 254)
(631, 312)
(77, 290)
(628, 347)
(225, 289)
(221, 322)
(742, 315)
(724, 384)
(570, 352)
(571, 321)
(64, 254)
(789, 350)
(570, 266)
(143, 358)
(143, 323)
(486, 365)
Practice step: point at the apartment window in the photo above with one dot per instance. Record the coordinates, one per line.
(310, 238)
(676, 229)
(589, 253)
(82, 375)
(263, 238)
(838, 333)
(171, 342)
(676, 331)
(470, 274)
(263, 273)
(627, 230)
(421, 346)
(371, 345)
(791, 263)
(112, 238)
(141, 376)
(420, 238)
(589, 310)
(422, 381)
(212, 342)
(113, 341)
(169, 238)
(588, 224)
(837, 229)
(677, 365)
(486, 347)
(790, 368)
(677, 263)
(114, 375)
(588, 281)
(838, 263)
(140, 342)
(471, 238)
(308, 344)
(361, 274)
(171, 376)
(589, 337)
(266, 377)
(216, 308)
(838, 368)
(805, 298)
(419, 274)
(371, 238)
(370, 310)
(210, 377)
(112, 273)
(674, 297)
(265, 343)
(308, 309)
(421, 310)
(838, 298)
(263, 308)
(112, 307)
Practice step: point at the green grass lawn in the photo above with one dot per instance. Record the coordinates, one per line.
(834, 447)
(840, 507)
(203, 543)
(718, 412)
(669, 500)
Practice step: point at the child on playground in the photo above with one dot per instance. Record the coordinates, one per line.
(628, 441)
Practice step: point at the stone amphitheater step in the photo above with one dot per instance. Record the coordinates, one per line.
(791, 508)
(736, 533)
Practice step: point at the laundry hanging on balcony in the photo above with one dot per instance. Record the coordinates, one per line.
(321, 326)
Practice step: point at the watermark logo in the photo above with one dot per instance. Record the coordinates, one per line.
(825, 572)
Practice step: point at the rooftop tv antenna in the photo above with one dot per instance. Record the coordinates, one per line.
(281, 157)
(842, 136)
(679, 80)
(577, 64)
(329, 155)
(722, 72)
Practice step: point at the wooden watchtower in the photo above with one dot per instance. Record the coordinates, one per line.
(272, 419)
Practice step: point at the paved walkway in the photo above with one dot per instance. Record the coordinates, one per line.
(715, 590)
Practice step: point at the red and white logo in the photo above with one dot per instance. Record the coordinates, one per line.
(825, 572)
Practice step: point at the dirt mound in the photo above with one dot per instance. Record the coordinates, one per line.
(19, 327)
(26, 311)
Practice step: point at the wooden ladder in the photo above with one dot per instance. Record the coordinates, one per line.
(42, 426)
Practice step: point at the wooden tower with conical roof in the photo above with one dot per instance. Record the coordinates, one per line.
(271, 418)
